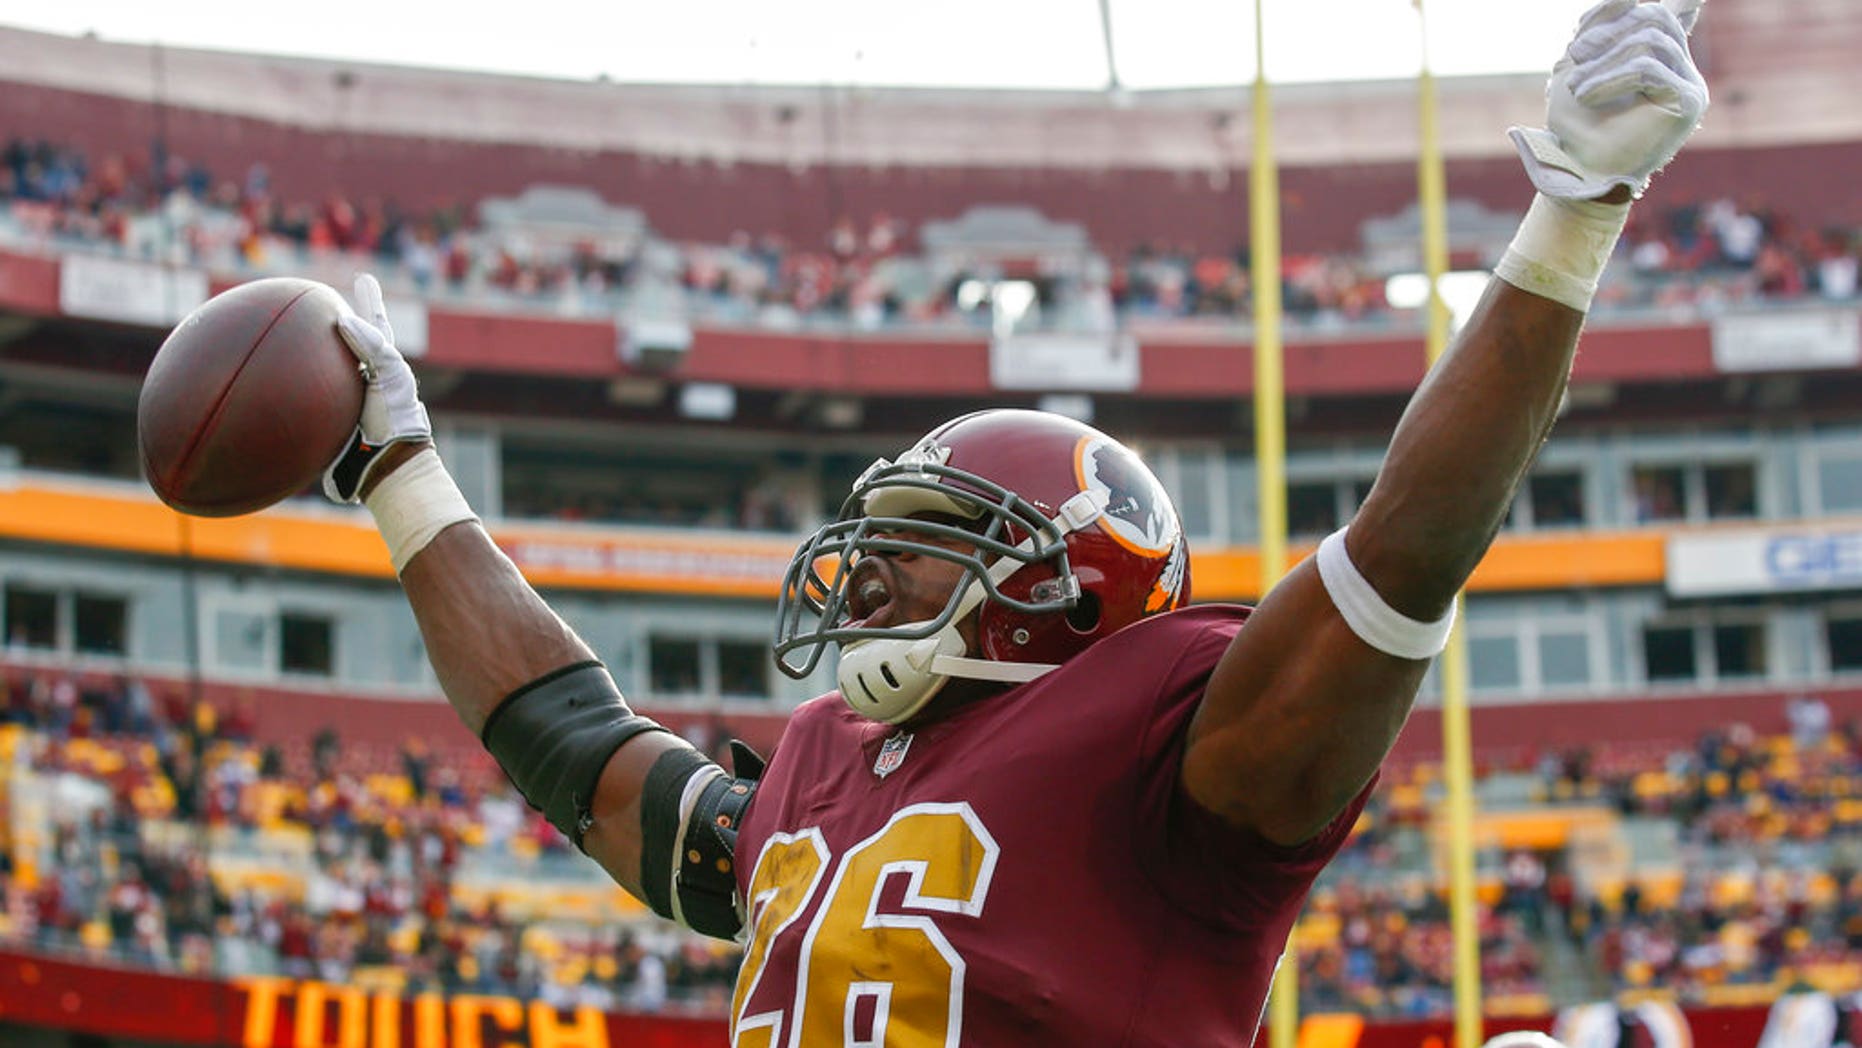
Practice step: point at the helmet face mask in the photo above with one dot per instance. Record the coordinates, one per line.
(1062, 535)
(1003, 527)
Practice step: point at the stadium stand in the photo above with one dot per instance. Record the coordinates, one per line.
(564, 250)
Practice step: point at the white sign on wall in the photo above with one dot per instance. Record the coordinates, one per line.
(1055, 361)
(1774, 561)
(126, 292)
(1787, 340)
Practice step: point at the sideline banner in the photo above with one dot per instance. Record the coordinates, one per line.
(288, 1013)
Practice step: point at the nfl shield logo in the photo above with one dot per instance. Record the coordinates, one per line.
(892, 754)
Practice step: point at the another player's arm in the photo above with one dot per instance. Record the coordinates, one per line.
(1306, 702)
(660, 817)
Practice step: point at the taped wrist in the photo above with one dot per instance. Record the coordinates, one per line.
(414, 504)
(554, 736)
(690, 812)
(1375, 622)
(1561, 249)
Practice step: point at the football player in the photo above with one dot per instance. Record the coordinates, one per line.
(1050, 802)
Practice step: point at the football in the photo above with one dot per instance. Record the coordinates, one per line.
(248, 399)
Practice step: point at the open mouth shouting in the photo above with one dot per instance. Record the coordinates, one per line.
(870, 594)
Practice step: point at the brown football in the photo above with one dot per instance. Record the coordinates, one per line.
(249, 398)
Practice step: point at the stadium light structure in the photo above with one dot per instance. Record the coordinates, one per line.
(1461, 291)
(1009, 302)
(1114, 86)
(708, 401)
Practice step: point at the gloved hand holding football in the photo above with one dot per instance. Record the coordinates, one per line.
(391, 407)
(248, 399)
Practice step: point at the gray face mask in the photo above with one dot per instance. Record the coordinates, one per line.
(889, 672)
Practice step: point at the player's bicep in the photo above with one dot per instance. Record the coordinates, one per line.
(1297, 716)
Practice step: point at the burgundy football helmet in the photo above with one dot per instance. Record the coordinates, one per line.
(1066, 537)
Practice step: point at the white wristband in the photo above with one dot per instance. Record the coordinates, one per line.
(1561, 249)
(1375, 622)
(414, 503)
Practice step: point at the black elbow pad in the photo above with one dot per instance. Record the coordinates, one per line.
(553, 737)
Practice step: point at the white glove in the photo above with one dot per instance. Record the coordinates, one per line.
(1621, 101)
(391, 407)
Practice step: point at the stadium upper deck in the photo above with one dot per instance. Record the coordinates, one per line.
(1677, 426)
(706, 161)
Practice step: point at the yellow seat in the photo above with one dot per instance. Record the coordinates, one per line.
(379, 978)
(1316, 930)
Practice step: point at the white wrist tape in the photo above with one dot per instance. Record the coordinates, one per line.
(1561, 249)
(414, 503)
(1375, 622)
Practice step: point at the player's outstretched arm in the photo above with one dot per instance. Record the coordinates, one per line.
(1307, 701)
(636, 798)
(487, 634)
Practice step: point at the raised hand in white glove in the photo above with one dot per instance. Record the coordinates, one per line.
(391, 409)
(1620, 103)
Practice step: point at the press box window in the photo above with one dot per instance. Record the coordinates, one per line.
(743, 670)
(1557, 499)
(1660, 493)
(1739, 650)
(306, 644)
(31, 617)
(672, 666)
(1312, 509)
(1844, 637)
(100, 625)
(1668, 653)
(1732, 491)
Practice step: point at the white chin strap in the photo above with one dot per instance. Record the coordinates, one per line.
(890, 679)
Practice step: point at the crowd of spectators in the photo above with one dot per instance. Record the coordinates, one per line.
(1704, 254)
(169, 836)
(1384, 947)
(1768, 877)
(172, 839)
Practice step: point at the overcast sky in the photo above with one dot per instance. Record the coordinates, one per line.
(1018, 43)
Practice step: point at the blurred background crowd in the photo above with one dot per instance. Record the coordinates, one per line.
(867, 272)
(163, 834)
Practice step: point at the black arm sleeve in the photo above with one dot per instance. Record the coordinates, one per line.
(553, 737)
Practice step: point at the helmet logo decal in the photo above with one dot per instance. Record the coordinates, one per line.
(1138, 512)
(1169, 585)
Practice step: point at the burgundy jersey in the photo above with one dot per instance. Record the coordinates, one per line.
(1026, 871)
